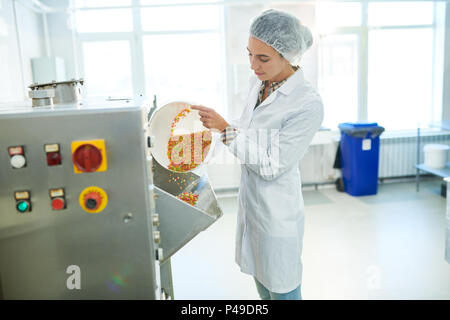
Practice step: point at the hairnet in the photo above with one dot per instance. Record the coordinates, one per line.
(283, 32)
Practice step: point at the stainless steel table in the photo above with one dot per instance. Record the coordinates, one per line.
(447, 223)
(444, 172)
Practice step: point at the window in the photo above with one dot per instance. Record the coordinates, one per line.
(400, 13)
(380, 62)
(338, 78)
(108, 20)
(188, 68)
(107, 68)
(165, 2)
(400, 63)
(400, 77)
(100, 3)
(333, 15)
(173, 51)
(180, 18)
(6, 90)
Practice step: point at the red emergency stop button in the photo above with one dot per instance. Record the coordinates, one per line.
(58, 203)
(92, 200)
(87, 158)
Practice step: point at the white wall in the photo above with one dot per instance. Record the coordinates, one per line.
(60, 34)
(17, 47)
(11, 85)
(31, 38)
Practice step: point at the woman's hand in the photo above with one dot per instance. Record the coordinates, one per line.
(210, 118)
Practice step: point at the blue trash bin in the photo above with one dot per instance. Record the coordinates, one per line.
(359, 152)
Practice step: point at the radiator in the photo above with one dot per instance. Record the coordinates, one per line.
(398, 155)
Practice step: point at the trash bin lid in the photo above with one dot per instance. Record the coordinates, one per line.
(361, 129)
(355, 125)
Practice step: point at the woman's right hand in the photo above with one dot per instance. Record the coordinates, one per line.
(210, 118)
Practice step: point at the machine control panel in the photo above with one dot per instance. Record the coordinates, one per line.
(87, 155)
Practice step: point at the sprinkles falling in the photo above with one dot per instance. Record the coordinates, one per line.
(189, 197)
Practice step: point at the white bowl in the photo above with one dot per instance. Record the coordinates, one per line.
(160, 127)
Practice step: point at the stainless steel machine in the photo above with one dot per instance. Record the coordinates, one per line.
(85, 213)
(447, 222)
(63, 92)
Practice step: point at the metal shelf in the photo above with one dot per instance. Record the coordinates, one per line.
(444, 172)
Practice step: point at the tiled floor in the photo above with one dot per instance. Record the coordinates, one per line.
(388, 246)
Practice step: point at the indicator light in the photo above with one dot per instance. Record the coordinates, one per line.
(53, 155)
(23, 203)
(53, 158)
(23, 206)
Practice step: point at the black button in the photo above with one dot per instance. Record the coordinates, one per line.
(91, 203)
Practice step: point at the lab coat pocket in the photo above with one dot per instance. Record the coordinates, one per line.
(280, 211)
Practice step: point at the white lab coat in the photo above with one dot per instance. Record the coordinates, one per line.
(270, 221)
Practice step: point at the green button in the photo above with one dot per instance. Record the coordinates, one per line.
(22, 206)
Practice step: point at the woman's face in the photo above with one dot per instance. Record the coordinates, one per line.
(265, 61)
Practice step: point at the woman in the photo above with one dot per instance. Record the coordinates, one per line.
(281, 117)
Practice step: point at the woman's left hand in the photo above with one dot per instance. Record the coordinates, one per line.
(210, 118)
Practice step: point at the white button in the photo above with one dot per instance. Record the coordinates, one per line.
(18, 161)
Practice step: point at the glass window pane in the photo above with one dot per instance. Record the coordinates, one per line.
(9, 64)
(331, 15)
(150, 2)
(188, 69)
(400, 13)
(107, 68)
(101, 3)
(338, 80)
(400, 77)
(109, 20)
(180, 18)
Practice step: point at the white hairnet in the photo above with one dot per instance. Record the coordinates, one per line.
(283, 32)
